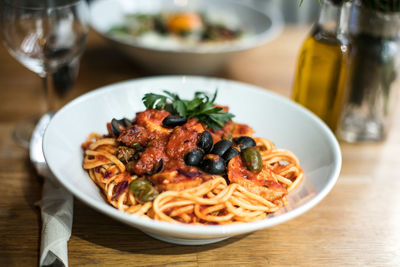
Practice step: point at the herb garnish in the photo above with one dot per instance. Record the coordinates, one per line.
(201, 107)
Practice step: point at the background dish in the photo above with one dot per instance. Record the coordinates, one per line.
(258, 26)
(287, 124)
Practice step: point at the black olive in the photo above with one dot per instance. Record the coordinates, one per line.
(213, 164)
(194, 157)
(127, 122)
(172, 121)
(117, 126)
(221, 147)
(230, 153)
(156, 168)
(159, 166)
(244, 142)
(205, 141)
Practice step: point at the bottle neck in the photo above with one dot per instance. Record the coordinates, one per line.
(329, 16)
(333, 20)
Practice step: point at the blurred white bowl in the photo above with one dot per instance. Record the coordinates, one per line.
(259, 28)
(287, 124)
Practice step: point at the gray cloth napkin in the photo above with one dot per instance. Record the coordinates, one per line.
(56, 205)
(57, 213)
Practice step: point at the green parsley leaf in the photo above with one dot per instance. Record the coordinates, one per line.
(201, 107)
(180, 107)
(154, 101)
(172, 96)
(194, 103)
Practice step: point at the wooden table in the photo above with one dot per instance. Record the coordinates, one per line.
(357, 224)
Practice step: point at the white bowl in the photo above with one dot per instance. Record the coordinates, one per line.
(279, 119)
(258, 26)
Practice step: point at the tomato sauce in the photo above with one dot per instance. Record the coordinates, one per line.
(163, 149)
(261, 183)
(182, 140)
(134, 135)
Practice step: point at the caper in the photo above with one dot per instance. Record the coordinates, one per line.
(137, 146)
(227, 136)
(129, 166)
(213, 164)
(194, 157)
(244, 142)
(173, 120)
(252, 159)
(205, 141)
(143, 190)
(124, 153)
(221, 147)
(230, 153)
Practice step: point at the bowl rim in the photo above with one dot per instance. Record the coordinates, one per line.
(274, 30)
(198, 230)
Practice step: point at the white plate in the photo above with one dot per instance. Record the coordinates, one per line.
(159, 57)
(287, 124)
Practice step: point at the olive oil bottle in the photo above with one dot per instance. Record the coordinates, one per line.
(321, 68)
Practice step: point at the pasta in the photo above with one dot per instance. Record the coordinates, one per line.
(142, 168)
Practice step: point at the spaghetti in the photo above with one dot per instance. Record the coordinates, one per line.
(145, 153)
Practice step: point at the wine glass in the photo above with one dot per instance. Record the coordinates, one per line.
(48, 38)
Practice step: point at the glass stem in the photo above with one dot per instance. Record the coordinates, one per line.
(47, 93)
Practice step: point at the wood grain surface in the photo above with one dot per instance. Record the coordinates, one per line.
(357, 224)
